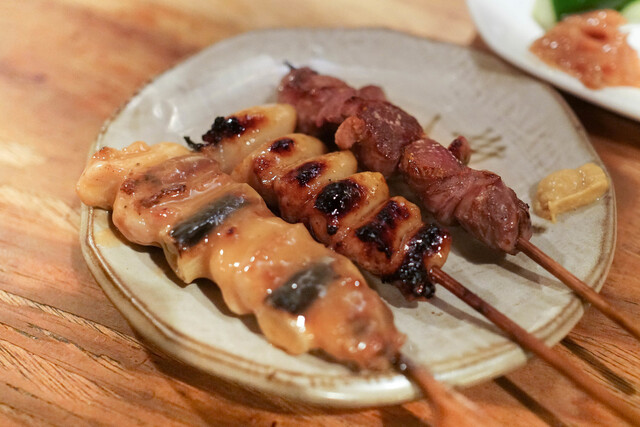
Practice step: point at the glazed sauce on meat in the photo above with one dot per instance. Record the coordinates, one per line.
(591, 47)
(282, 145)
(380, 230)
(412, 273)
(337, 199)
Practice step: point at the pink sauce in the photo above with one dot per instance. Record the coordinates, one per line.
(591, 47)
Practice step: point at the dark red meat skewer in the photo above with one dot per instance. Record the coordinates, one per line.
(387, 139)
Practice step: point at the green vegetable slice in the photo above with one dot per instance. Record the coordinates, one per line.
(548, 12)
(569, 7)
(544, 14)
(632, 11)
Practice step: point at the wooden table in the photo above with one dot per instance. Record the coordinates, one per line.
(67, 356)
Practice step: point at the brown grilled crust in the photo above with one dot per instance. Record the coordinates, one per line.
(353, 214)
(382, 135)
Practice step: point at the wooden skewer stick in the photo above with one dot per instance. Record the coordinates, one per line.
(536, 346)
(451, 408)
(577, 285)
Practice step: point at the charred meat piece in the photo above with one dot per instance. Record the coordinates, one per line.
(413, 274)
(304, 296)
(231, 138)
(296, 189)
(266, 162)
(153, 197)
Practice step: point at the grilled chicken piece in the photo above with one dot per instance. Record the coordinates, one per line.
(347, 211)
(237, 136)
(99, 188)
(263, 165)
(304, 296)
(297, 188)
(386, 139)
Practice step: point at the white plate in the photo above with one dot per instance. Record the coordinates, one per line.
(520, 128)
(508, 27)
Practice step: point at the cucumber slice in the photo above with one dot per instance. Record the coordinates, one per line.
(548, 12)
(568, 7)
(544, 13)
(632, 12)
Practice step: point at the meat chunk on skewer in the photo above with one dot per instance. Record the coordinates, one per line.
(461, 149)
(358, 119)
(377, 132)
(304, 296)
(109, 167)
(320, 99)
(387, 139)
(456, 194)
(235, 137)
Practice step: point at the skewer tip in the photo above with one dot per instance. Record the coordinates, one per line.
(451, 409)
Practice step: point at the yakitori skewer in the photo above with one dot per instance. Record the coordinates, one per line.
(452, 409)
(353, 214)
(577, 285)
(387, 139)
(165, 196)
(533, 344)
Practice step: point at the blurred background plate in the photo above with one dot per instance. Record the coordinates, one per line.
(508, 27)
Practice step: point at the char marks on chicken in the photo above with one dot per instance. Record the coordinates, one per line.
(387, 139)
(350, 212)
(303, 295)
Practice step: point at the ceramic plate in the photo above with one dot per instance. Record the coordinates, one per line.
(508, 27)
(518, 127)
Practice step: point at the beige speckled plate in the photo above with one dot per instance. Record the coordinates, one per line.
(519, 128)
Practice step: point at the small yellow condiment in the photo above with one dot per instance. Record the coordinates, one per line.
(568, 189)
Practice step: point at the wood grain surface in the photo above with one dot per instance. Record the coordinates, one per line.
(67, 357)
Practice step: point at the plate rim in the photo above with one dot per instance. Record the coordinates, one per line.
(144, 322)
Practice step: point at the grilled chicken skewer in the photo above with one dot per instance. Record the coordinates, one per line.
(353, 214)
(347, 211)
(388, 140)
(303, 295)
